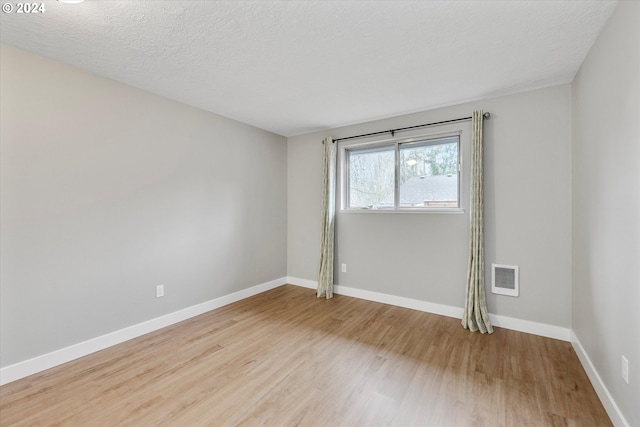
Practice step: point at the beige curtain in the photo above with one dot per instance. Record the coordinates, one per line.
(325, 279)
(475, 315)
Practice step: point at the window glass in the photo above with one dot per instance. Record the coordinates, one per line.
(404, 175)
(371, 178)
(429, 174)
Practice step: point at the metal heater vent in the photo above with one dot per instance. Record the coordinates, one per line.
(504, 280)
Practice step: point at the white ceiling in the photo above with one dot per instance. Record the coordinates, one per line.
(293, 67)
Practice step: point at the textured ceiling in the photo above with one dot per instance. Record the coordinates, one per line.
(293, 67)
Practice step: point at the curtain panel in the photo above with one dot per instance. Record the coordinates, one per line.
(325, 276)
(475, 316)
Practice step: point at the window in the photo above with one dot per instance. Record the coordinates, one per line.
(422, 174)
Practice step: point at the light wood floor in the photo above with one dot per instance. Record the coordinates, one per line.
(285, 358)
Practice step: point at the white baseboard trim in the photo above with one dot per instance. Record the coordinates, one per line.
(535, 328)
(530, 327)
(305, 283)
(617, 418)
(414, 304)
(40, 363)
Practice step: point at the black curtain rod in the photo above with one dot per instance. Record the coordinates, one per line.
(393, 131)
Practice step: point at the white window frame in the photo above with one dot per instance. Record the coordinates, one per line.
(396, 143)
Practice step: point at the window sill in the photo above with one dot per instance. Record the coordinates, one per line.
(455, 211)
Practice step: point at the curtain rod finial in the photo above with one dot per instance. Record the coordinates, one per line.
(486, 115)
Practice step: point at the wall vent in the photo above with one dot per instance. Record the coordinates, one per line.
(504, 280)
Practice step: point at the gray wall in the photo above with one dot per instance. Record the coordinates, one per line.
(424, 256)
(107, 191)
(606, 206)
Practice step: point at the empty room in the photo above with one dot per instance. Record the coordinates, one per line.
(320, 213)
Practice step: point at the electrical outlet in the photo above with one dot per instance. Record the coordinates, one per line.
(344, 268)
(159, 291)
(625, 369)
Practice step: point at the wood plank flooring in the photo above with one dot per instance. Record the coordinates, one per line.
(286, 358)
